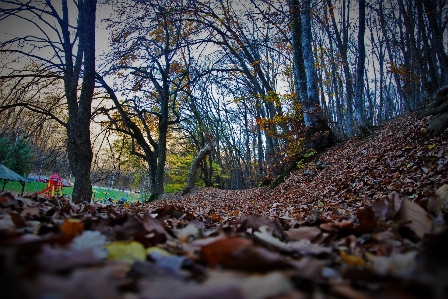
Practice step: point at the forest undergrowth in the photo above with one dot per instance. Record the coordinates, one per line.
(365, 219)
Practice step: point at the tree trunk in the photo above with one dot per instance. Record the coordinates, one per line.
(202, 154)
(390, 53)
(78, 126)
(359, 106)
(299, 68)
(319, 134)
(437, 39)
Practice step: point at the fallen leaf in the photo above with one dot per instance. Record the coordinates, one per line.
(304, 246)
(439, 201)
(6, 221)
(366, 220)
(153, 226)
(17, 219)
(387, 207)
(8, 200)
(71, 228)
(126, 251)
(166, 260)
(91, 240)
(351, 260)
(30, 211)
(421, 224)
(254, 222)
(188, 233)
(239, 253)
(304, 232)
(401, 264)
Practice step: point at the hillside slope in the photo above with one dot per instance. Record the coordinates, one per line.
(356, 173)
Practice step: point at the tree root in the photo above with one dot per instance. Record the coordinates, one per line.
(437, 126)
(438, 107)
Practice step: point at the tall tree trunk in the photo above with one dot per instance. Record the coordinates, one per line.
(359, 105)
(342, 44)
(437, 39)
(390, 54)
(78, 126)
(299, 68)
(431, 81)
(158, 186)
(319, 133)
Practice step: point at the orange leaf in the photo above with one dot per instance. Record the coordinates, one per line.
(71, 228)
(239, 253)
(215, 217)
(222, 251)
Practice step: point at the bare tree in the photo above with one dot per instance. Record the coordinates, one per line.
(72, 48)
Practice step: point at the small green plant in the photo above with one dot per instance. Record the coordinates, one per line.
(300, 164)
(309, 153)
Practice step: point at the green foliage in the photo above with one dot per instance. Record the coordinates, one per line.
(218, 171)
(309, 153)
(15, 154)
(178, 166)
(300, 164)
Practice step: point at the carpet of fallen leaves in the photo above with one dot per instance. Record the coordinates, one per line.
(365, 219)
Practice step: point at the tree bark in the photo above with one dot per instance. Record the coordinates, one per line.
(78, 126)
(437, 39)
(359, 87)
(202, 154)
(319, 134)
(299, 68)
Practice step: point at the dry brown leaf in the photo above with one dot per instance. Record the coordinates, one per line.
(17, 219)
(421, 224)
(439, 201)
(153, 226)
(239, 253)
(304, 232)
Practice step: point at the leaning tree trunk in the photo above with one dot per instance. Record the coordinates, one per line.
(438, 107)
(207, 149)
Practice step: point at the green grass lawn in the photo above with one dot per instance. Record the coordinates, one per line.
(100, 194)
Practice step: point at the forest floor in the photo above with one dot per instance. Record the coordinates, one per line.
(368, 221)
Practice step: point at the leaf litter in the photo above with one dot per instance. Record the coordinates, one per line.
(372, 224)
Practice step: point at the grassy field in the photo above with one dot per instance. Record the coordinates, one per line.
(99, 194)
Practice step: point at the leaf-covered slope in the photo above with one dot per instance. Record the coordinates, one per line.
(350, 175)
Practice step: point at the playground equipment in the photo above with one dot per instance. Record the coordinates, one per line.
(54, 186)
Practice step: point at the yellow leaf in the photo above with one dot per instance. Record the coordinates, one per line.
(431, 146)
(126, 251)
(352, 260)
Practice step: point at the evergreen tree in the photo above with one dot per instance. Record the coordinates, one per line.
(15, 154)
